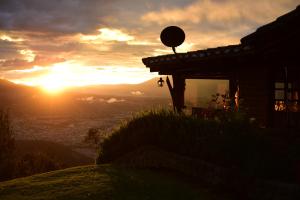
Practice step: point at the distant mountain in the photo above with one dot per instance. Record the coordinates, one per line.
(194, 89)
(146, 89)
(11, 91)
(6, 86)
(18, 98)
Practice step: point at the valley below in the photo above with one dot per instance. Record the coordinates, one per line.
(68, 122)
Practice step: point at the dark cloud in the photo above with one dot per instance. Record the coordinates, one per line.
(13, 64)
(46, 48)
(62, 16)
(8, 50)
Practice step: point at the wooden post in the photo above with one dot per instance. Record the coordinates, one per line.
(233, 87)
(171, 92)
(178, 92)
(271, 97)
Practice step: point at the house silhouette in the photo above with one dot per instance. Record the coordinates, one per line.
(264, 68)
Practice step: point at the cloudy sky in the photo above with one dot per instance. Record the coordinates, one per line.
(61, 43)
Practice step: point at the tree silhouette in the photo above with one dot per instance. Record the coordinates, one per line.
(6, 145)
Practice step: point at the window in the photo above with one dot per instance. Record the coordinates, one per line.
(198, 92)
(286, 97)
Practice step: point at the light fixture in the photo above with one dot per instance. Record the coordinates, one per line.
(160, 82)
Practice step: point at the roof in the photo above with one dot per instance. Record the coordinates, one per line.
(282, 32)
(211, 53)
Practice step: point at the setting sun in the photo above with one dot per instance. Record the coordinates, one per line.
(56, 80)
(53, 85)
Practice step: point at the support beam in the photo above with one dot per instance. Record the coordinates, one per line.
(178, 93)
(233, 87)
(171, 91)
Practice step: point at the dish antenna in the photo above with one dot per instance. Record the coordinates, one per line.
(172, 36)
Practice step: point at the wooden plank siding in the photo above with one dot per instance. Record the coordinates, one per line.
(254, 87)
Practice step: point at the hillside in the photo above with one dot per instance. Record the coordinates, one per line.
(11, 92)
(102, 182)
(147, 89)
(62, 154)
(7, 86)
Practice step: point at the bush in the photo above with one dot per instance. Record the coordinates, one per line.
(173, 132)
(34, 163)
(230, 141)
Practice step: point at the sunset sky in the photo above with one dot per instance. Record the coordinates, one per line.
(61, 43)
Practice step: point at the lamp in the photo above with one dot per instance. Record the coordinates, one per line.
(160, 82)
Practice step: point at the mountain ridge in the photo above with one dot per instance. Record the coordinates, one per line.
(146, 89)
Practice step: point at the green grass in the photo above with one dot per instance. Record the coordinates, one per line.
(103, 182)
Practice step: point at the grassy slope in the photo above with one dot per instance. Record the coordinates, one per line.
(62, 154)
(102, 182)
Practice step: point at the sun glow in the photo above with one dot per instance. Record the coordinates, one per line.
(62, 76)
(56, 80)
(53, 85)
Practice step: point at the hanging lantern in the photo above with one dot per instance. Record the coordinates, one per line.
(160, 82)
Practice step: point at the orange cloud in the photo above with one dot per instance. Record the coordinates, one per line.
(231, 11)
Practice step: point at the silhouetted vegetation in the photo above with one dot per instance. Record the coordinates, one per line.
(94, 136)
(6, 145)
(34, 163)
(230, 141)
(14, 165)
(24, 158)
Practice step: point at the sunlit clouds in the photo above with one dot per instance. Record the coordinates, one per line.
(60, 44)
(113, 35)
(10, 39)
(28, 55)
(185, 47)
(107, 34)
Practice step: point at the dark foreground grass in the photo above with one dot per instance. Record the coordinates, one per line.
(102, 182)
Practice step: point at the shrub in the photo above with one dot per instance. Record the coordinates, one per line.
(170, 131)
(230, 141)
(34, 163)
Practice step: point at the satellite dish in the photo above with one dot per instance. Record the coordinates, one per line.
(172, 36)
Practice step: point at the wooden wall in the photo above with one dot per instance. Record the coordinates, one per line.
(256, 94)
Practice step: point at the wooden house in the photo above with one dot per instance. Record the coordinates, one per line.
(264, 68)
